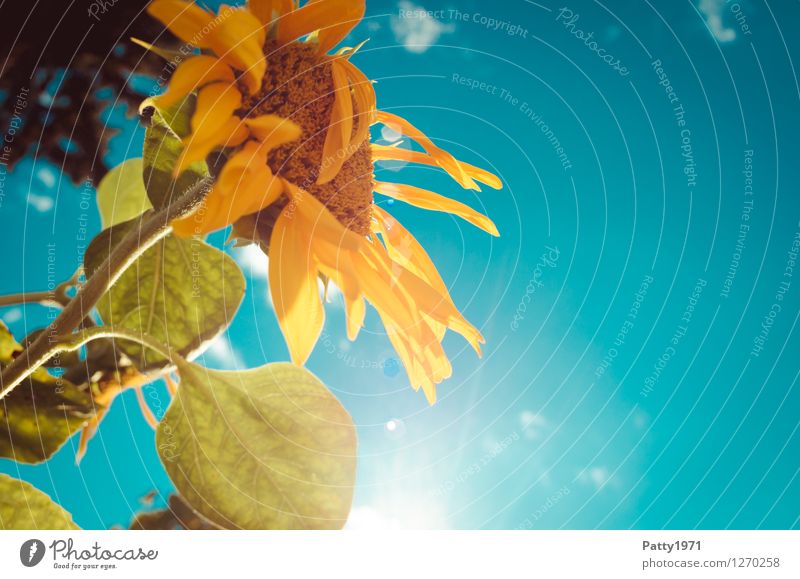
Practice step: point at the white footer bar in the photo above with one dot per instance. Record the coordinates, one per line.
(401, 554)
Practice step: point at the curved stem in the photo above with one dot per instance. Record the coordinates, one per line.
(45, 298)
(57, 298)
(154, 225)
(72, 342)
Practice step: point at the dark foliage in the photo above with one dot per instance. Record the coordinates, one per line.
(62, 63)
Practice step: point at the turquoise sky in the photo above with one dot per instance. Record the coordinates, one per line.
(640, 307)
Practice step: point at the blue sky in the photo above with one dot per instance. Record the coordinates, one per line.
(640, 306)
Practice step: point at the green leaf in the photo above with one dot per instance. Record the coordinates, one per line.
(8, 345)
(121, 195)
(181, 292)
(177, 515)
(162, 147)
(24, 507)
(40, 414)
(267, 448)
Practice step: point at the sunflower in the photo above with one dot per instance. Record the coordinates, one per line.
(290, 119)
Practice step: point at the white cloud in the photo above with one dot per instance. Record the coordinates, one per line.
(331, 294)
(712, 9)
(221, 350)
(41, 203)
(533, 424)
(47, 176)
(13, 315)
(252, 260)
(415, 29)
(390, 135)
(597, 476)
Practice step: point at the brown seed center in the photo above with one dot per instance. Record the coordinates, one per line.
(298, 86)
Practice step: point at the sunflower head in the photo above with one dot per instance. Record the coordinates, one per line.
(291, 119)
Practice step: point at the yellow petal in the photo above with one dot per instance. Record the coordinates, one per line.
(321, 223)
(250, 159)
(248, 182)
(147, 413)
(351, 14)
(238, 39)
(438, 362)
(350, 50)
(333, 18)
(418, 294)
(420, 374)
(261, 9)
(438, 308)
(293, 285)
(192, 73)
(186, 20)
(241, 190)
(444, 159)
(386, 153)
(340, 128)
(162, 52)
(377, 281)
(404, 249)
(231, 134)
(216, 104)
(273, 130)
(435, 202)
(364, 94)
(338, 266)
(356, 310)
(268, 10)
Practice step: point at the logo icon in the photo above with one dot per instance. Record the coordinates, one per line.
(32, 552)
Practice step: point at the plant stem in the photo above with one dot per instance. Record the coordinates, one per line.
(73, 342)
(57, 298)
(44, 298)
(154, 225)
